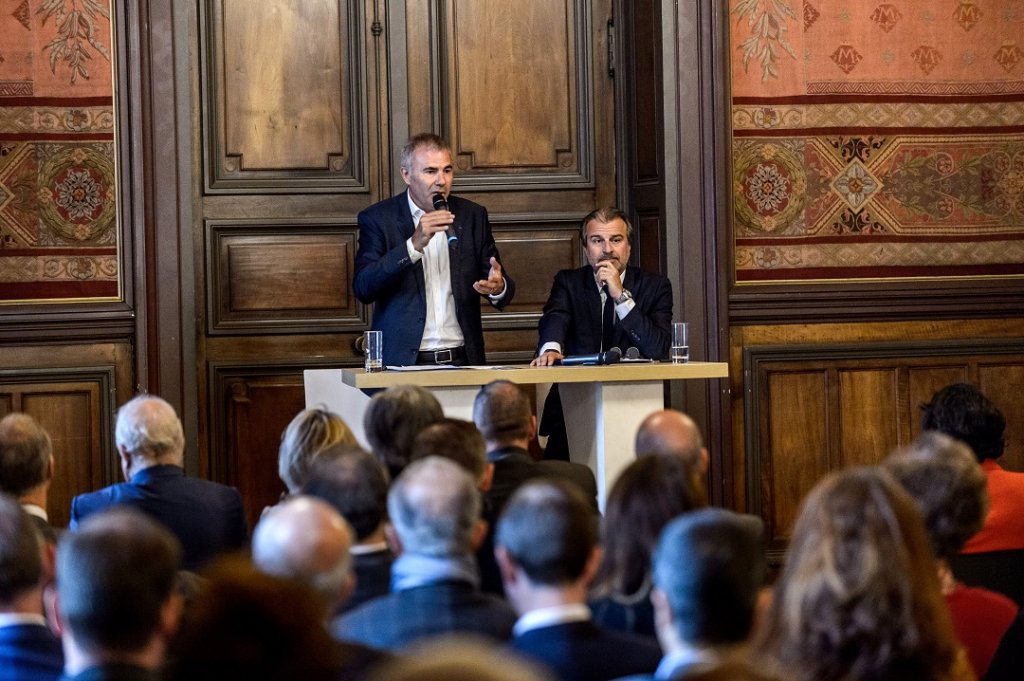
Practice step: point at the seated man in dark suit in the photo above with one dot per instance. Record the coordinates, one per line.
(602, 305)
(117, 600)
(504, 416)
(546, 546)
(356, 485)
(434, 508)
(708, 569)
(28, 650)
(206, 517)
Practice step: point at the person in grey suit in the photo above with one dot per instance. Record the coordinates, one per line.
(434, 508)
(206, 517)
(426, 266)
(546, 547)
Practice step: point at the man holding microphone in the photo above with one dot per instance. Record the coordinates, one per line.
(425, 258)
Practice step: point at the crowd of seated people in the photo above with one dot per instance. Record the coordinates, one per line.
(447, 552)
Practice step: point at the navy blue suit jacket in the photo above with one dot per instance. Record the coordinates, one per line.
(582, 651)
(394, 621)
(29, 652)
(572, 314)
(386, 276)
(206, 517)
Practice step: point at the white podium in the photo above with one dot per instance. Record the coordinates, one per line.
(603, 405)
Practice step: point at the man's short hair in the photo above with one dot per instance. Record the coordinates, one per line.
(502, 412)
(963, 412)
(149, 427)
(394, 419)
(604, 216)
(424, 140)
(434, 507)
(21, 563)
(710, 565)
(25, 450)
(549, 531)
(354, 483)
(114, 576)
(948, 485)
(453, 439)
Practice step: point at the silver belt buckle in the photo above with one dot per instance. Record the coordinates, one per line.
(439, 356)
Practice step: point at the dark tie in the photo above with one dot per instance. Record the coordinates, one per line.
(608, 322)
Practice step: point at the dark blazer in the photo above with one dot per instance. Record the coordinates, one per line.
(572, 314)
(206, 517)
(582, 651)
(115, 672)
(29, 652)
(512, 467)
(392, 622)
(373, 577)
(387, 277)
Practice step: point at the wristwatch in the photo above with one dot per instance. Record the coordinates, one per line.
(626, 295)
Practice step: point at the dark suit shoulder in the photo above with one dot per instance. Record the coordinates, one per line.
(582, 651)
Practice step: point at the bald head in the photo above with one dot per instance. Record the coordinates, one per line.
(306, 539)
(672, 432)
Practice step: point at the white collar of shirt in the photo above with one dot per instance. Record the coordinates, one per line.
(416, 211)
(37, 511)
(12, 619)
(548, 617)
(363, 549)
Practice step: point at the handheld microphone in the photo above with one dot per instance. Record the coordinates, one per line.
(610, 356)
(440, 203)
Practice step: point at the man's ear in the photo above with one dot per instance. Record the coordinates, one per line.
(170, 615)
(479, 534)
(506, 566)
(488, 478)
(394, 542)
(533, 426)
(50, 468)
(593, 562)
(704, 459)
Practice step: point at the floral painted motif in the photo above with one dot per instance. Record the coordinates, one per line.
(76, 23)
(767, 188)
(768, 28)
(79, 196)
(855, 184)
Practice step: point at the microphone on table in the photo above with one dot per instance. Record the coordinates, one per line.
(610, 356)
(632, 353)
(441, 203)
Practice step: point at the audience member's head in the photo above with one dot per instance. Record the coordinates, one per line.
(116, 579)
(148, 433)
(859, 596)
(247, 625)
(459, 441)
(355, 484)
(459, 658)
(707, 571)
(948, 485)
(434, 508)
(308, 434)
(394, 419)
(26, 455)
(672, 432)
(21, 562)
(648, 493)
(547, 534)
(305, 539)
(503, 414)
(961, 411)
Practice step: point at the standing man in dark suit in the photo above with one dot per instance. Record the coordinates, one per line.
(602, 305)
(26, 468)
(206, 517)
(425, 258)
(546, 547)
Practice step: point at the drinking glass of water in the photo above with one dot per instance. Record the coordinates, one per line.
(373, 347)
(680, 350)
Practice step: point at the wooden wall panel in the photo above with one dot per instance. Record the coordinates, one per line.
(265, 276)
(797, 445)
(868, 414)
(533, 253)
(815, 408)
(285, 96)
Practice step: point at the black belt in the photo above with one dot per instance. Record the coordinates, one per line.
(446, 356)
